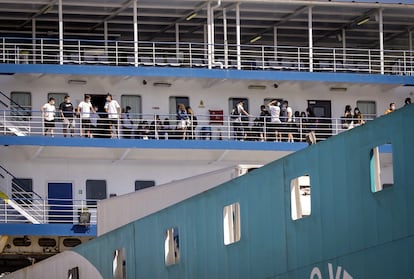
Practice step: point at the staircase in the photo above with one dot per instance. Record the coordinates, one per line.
(13, 117)
(19, 203)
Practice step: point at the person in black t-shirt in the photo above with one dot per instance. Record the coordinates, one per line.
(67, 112)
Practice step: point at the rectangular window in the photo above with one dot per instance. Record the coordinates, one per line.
(95, 190)
(22, 190)
(21, 103)
(300, 197)
(175, 100)
(233, 103)
(59, 97)
(134, 102)
(119, 264)
(172, 246)
(142, 184)
(231, 223)
(73, 273)
(368, 109)
(381, 166)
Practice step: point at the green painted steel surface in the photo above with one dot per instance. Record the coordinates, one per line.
(351, 232)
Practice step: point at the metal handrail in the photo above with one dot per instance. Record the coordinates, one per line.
(185, 54)
(66, 211)
(157, 127)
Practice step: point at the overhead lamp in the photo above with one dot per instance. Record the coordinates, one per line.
(162, 84)
(363, 21)
(255, 39)
(77, 81)
(338, 89)
(256, 86)
(190, 17)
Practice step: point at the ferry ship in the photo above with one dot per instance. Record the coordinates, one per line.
(216, 194)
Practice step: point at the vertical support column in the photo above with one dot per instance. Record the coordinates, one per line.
(226, 46)
(60, 32)
(135, 22)
(238, 36)
(310, 29)
(410, 47)
(275, 42)
(106, 37)
(34, 40)
(177, 41)
(344, 47)
(381, 38)
(209, 35)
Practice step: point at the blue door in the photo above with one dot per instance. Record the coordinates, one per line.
(60, 202)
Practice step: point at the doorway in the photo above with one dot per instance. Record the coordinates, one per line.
(322, 110)
(101, 130)
(60, 202)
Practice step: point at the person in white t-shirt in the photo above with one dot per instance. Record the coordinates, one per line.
(48, 112)
(84, 110)
(274, 109)
(114, 110)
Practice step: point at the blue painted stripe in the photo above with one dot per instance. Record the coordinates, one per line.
(47, 229)
(152, 144)
(203, 73)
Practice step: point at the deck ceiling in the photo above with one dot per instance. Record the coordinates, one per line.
(157, 21)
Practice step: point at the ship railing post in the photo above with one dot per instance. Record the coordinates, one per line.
(80, 127)
(41, 51)
(44, 211)
(4, 122)
(229, 127)
(334, 60)
(300, 128)
(191, 55)
(153, 53)
(116, 53)
(264, 131)
(118, 130)
(4, 50)
(369, 61)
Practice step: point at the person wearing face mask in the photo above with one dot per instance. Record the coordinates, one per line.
(358, 118)
(113, 109)
(48, 112)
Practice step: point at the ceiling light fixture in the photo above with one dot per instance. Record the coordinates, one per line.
(256, 86)
(255, 39)
(77, 81)
(191, 16)
(162, 84)
(363, 21)
(338, 89)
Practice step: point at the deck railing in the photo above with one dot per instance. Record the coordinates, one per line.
(172, 54)
(82, 212)
(167, 127)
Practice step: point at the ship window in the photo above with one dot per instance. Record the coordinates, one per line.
(21, 103)
(134, 102)
(59, 98)
(381, 166)
(300, 197)
(172, 246)
(22, 241)
(233, 103)
(142, 184)
(73, 273)
(71, 242)
(22, 190)
(175, 100)
(368, 109)
(95, 190)
(119, 264)
(231, 223)
(46, 242)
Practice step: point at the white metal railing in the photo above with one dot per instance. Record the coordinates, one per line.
(49, 211)
(167, 127)
(172, 54)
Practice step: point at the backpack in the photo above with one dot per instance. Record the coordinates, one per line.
(234, 113)
(283, 114)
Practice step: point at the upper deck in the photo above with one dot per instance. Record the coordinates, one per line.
(278, 37)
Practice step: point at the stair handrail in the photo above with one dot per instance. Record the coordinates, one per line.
(19, 187)
(11, 101)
